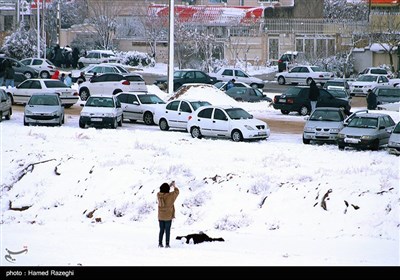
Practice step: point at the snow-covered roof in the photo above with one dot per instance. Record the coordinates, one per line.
(380, 47)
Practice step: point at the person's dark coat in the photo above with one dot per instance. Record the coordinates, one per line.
(75, 57)
(9, 73)
(314, 92)
(371, 100)
(197, 238)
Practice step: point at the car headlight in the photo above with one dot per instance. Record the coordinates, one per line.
(85, 114)
(367, 137)
(248, 127)
(109, 115)
(28, 112)
(309, 129)
(341, 135)
(335, 130)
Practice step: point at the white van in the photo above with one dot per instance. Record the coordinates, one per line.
(98, 56)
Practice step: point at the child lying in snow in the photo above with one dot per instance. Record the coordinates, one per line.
(196, 238)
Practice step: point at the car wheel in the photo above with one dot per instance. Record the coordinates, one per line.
(375, 145)
(117, 91)
(254, 85)
(306, 141)
(304, 111)
(341, 147)
(164, 125)
(148, 118)
(63, 119)
(25, 123)
(120, 121)
(1, 116)
(236, 136)
(114, 123)
(285, 112)
(84, 94)
(68, 106)
(28, 75)
(8, 116)
(44, 75)
(195, 132)
(308, 81)
(281, 80)
(81, 124)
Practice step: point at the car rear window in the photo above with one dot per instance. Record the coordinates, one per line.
(379, 71)
(134, 78)
(55, 84)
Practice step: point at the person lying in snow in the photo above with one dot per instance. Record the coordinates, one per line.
(196, 238)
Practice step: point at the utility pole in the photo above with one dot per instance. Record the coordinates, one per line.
(38, 28)
(171, 47)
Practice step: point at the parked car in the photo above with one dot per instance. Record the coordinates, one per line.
(337, 83)
(140, 106)
(295, 99)
(101, 111)
(44, 109)
(22, 92)
(393, 146)
(18, 78)
(247, 94)
(45, 67)
(222, 85)
(98, 69)
(386, 94)
(226, 74)
(288, 60)
(5, 105)
(365, 130)
(111, 84)
(366, 82)
(27, 71)
(226, 122)
(376, 71)
(304, 75)
(176, 112)
(323, 125)
(184, 77)
(98, 56)
(340, 93)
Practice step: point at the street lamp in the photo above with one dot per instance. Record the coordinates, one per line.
(171, 48)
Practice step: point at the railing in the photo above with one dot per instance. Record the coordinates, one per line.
(313, 26)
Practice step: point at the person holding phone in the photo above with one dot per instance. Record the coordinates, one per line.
(166, 211)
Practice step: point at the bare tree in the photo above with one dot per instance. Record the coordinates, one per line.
(385, 30)
(103, 16)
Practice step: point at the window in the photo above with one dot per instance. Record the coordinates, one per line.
(220, 115)
(227, 72)
(205, 113)
(173, 106)
(185, 107)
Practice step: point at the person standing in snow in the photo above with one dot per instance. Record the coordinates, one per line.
(166, 211)
(313, 95)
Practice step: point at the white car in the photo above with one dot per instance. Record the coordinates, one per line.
(98, 56)
(101, 111)
(45, 67)
(176, 112)
(111, 84)
(98, 69)
(366, 82)
(393, 146)
(304, 75)
(140, 106)
(226, 122)
(44, 109)
(227, 74)
(22, 92)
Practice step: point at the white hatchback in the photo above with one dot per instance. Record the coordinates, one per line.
(104, 111)
(226, 122)
(176, 112)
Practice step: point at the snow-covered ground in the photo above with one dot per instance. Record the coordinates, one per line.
(88, 197)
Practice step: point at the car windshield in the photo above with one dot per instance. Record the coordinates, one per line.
(106, 102)
(326, 116)
(219, 84)
(392, 92)
(238, 113)
(363, 122)
(397, 128)
(367, 78)
(338, 93)
(198, 104)
(45, 100)
(150, 99)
